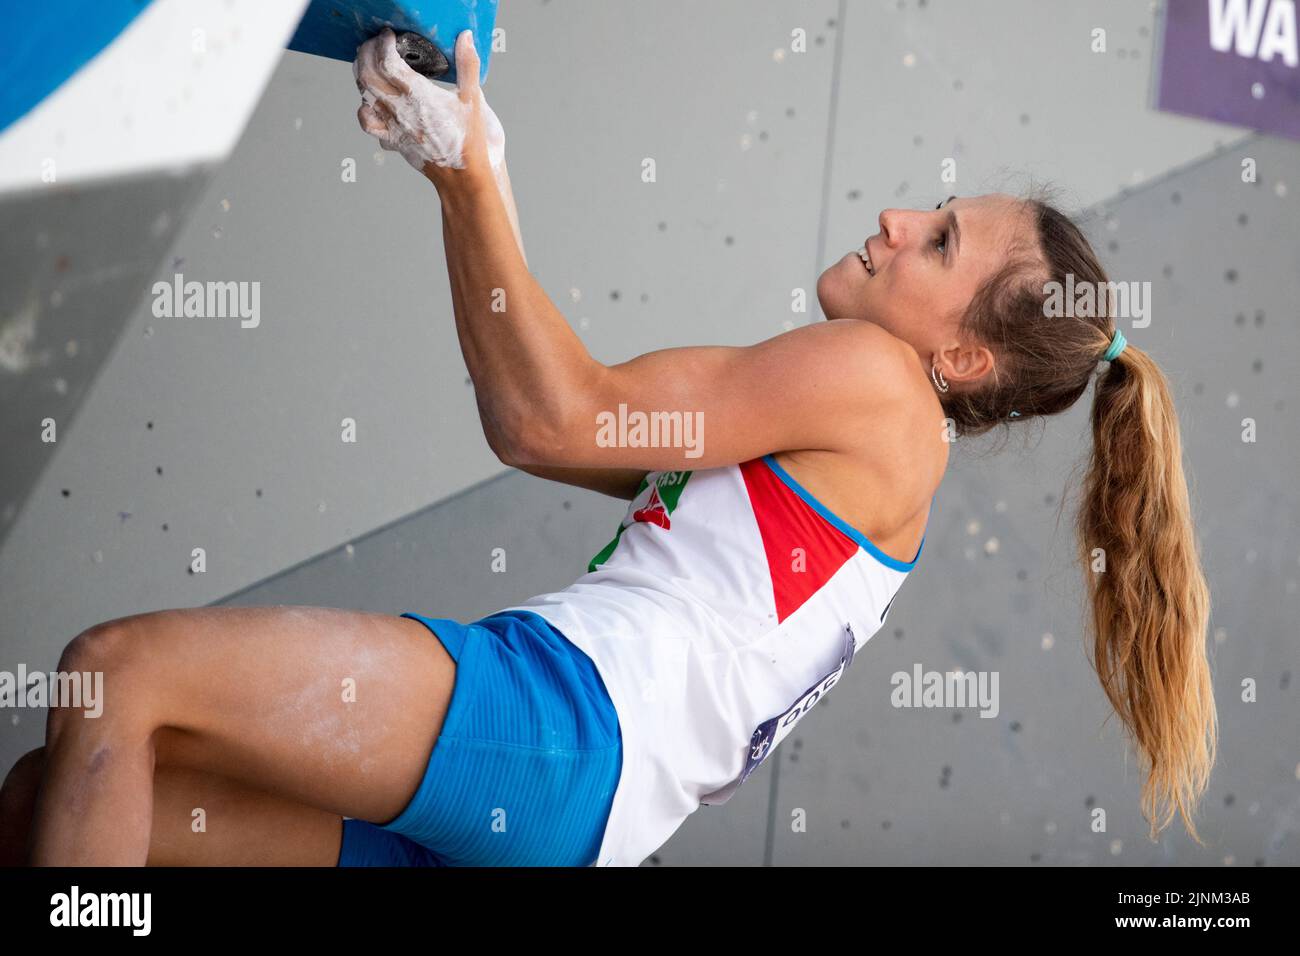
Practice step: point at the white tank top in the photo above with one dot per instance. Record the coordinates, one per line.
(729, 602)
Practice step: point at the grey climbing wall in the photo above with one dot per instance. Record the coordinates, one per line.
(66, 295)
(770, 164)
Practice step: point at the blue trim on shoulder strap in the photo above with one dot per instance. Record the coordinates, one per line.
(843, 525)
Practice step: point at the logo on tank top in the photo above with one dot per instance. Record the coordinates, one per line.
(654, 503)
(655, 511)
(664, 495)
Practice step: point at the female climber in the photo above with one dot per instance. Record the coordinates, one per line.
(778, 497)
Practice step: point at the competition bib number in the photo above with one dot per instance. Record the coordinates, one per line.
(771, 732)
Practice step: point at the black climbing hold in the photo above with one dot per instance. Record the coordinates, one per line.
(422, 56)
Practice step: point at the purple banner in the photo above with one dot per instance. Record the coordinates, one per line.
(1232, 61)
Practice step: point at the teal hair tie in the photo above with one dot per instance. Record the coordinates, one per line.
(1116, 346)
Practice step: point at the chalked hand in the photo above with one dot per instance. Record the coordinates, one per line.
(433, 127)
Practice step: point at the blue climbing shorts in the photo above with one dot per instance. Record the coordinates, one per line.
(524, 770)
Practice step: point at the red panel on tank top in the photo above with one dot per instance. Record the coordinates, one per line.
(787, 522)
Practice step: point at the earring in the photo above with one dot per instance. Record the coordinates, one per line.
(940, 382)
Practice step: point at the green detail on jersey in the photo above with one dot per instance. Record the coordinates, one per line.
(669, 485)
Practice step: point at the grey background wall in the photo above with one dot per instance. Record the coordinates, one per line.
(770, 165)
